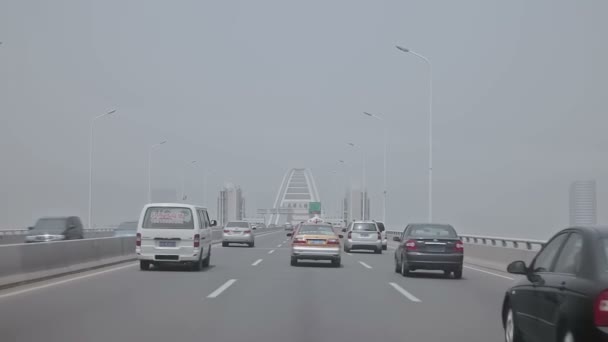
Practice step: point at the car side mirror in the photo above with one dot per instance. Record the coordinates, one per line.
(288, 234)
(343, 230)
(30, 228)
(396, 238)
(517, 267)
(213, 223)
(341, 236)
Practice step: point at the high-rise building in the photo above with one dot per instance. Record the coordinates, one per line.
(353, 203)
(230, 204)
(583, 204)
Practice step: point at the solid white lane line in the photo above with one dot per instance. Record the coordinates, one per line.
(256, 262)
(405, 293)
(221, 288)
(271, 251)
(491, 273)
(14, 293)
(365, 265)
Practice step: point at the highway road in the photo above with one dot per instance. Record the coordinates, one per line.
(253, 294)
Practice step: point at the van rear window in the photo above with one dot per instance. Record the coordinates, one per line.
(168, 218)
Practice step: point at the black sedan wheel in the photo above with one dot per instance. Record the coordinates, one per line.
(405, 269)
(511, 332)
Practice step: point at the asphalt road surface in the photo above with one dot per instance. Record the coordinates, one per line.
(253, 294)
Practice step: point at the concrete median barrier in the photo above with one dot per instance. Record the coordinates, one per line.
(494, 257)
(20, 263)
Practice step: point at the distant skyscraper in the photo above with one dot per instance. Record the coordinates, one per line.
(583, 204)
(230, 204)
(353, 201)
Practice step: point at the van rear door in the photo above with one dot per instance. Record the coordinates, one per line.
(168, 230)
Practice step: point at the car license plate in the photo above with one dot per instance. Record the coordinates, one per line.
(316, 242)
(363, 235)
(438, 249)
(166, 243)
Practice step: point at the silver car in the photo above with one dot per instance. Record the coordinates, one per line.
(238, 232)
(363, 235)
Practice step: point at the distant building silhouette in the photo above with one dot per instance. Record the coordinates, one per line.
(230, 204)
(583, 205)
(356, 197)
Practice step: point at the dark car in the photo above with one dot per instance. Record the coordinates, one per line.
(427, 246)
(126, 229)
(564, 294)
(55, 229)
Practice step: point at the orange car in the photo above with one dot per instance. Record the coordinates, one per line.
(315, 241)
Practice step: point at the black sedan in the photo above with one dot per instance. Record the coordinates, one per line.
(427, 246)
(564, 294)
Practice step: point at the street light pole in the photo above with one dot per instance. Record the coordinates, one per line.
(428, 62)
(190, 163)
(384, 193)
(90, 218)
(152, 147)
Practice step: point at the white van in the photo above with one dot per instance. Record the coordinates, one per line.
(174, 233)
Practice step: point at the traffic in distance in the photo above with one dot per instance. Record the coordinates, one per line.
(562, 295)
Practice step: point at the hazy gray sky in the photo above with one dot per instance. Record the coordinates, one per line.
(253, 88)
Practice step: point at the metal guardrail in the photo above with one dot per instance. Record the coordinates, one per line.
(497, 241)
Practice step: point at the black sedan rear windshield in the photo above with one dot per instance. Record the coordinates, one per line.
(168, 218)
(367, 227)
(424, 231)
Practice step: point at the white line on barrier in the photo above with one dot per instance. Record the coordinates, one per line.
(365, 265)
(492, 273)
(14, 293)
(257, 262)
(271, 251)
(221, 288)
(405, 293)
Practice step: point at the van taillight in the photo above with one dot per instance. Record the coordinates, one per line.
(410, 245)
(600, 309)
(379, 236)
(138, 240)
(350, 234)
(459, 246)
(197, 240)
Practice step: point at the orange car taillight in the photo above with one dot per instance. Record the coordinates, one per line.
(299, 240)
